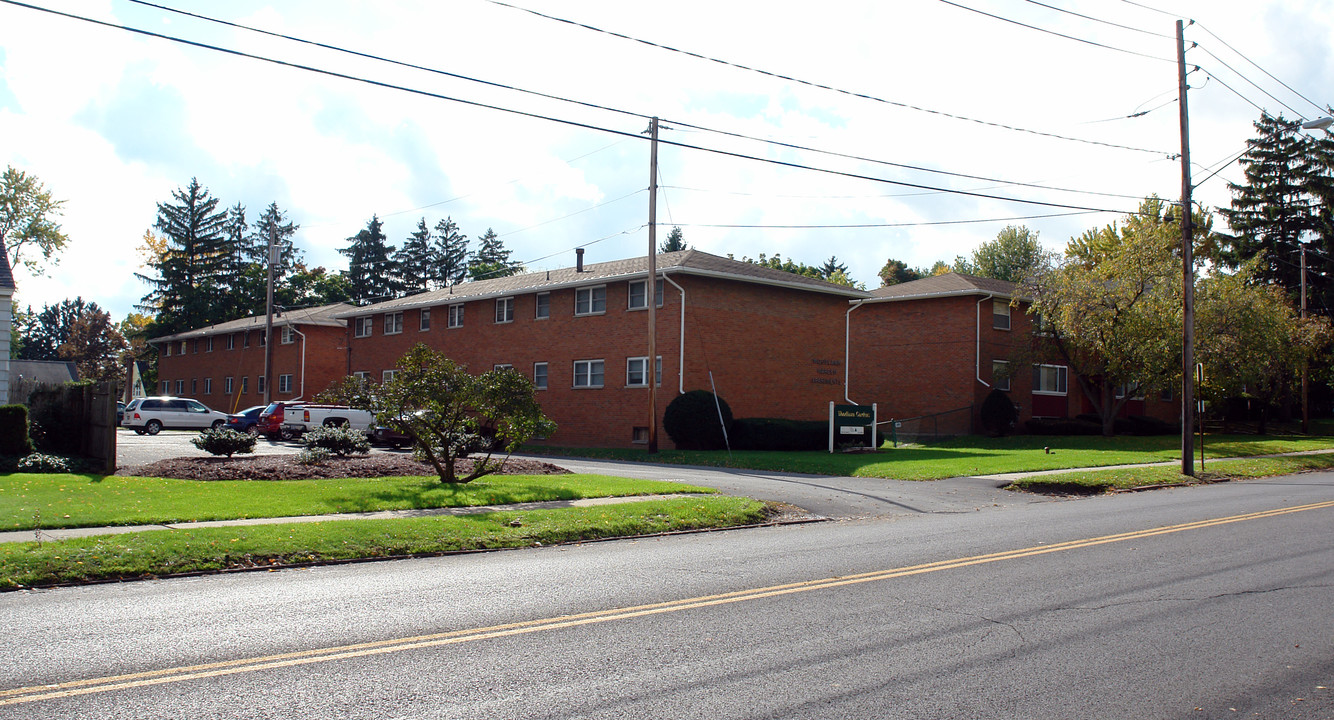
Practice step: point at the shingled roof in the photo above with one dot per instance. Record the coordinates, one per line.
(684, 262)
(6, 272)
(325, 315)
(948, 285)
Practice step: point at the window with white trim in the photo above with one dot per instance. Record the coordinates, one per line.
(231, 341)
(424, 322)
(363, 375)
(393, 323)
(363, 326)
(194, 347)
(456, 315)
(208, 344)
(259, 384)
(590, 300)
(169, 349)
(502, 366)
(182, 347)
(208, 386)
(543, 302)
(1000, 314)
(166, 385)
(285, 384)
(1049, 379)
(288, 335)
(1000, 375)
(227, 386)
(636, 372)
(180, 387)
(245, 384)
(540, 376)
(504, 310)
(388, 375)
(636, 294)
(588, 373)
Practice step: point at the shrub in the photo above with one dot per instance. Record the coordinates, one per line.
(999, 414)
(39, 463)
(341, 441)
(691, 420)
(224, 441)
(313, 456)
(14, 438)
(779, 434)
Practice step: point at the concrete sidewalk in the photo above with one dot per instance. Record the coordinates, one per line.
(66, 533)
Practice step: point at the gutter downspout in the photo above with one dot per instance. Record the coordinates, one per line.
(303, 361)
(847, 349)
(977, 365)
(681, 363)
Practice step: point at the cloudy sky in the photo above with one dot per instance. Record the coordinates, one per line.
(938, 119)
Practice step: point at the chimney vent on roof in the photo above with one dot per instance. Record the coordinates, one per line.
(578, 259)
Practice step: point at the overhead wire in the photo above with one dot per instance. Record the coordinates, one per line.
(822, 86)
(1099, 20)
(570, 215)
(855, 226)
(1266, 72)
(1243, 77)
(1053, 32)
(532, 115)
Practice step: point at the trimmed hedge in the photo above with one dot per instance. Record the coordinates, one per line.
(691, 420)
(779, 434)
(14, 438)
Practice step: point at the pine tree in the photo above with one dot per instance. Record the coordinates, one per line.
(676, 241)
(416, 260)
(188, 272)
(451, 248)
(371, 274)
(492, 260)
(831, 266)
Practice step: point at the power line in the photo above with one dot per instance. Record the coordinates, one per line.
(821, 86)
(1098, 20)
(1053, 32)
(1229, 87)
(577, 212)
(1266, 72)
(856, 226)
(1243, 77)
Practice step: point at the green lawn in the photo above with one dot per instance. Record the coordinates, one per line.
(29, 501)
(973, 455)
(162, 552)
(1100, 481)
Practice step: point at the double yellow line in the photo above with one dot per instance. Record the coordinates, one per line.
(269, 662)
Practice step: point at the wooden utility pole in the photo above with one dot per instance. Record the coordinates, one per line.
(1187, 273)
(1306, 362)
(268, 318)
(651, 289)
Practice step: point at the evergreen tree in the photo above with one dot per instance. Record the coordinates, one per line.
(371, 275)
(492, 260)
(451, 248)
(274, 221)
(71, 330)
(831, 266)
(1277, 208)
(184, 291)
(676, 242)
(416, 260)
(237, 292)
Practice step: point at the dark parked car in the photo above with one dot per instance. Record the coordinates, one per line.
(246, 421)
(120, 411)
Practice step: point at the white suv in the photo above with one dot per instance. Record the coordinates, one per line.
(153, 414)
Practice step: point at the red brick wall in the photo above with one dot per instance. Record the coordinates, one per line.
(325, 362)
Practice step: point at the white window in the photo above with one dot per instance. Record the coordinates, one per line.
(424, 323)
(288, 335)
(195, 347)
(166, 385)
(231, 341)
(502, 366)
(182, 347)
(180, 387)
(363, 326)
(590, 300)
(393, 323)
(456, 315)
(1049, 380)
(1000, 375)
(504, 310)
(245, 385)
(1000, 314)
(540, 375)
(588, 373)
(363, 375)
(636, 372)
(543, 306)
(285, 384)
(259, 384)
(208, 344)
(169, 349)
(637, 299)
(388, 375)
(227, 386)
(208, 386)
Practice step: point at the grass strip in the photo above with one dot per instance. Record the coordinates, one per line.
(965, 456)
(161, 552)
(1101, 481)
(29, 501)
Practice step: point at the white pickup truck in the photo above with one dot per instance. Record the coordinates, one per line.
(303, 418)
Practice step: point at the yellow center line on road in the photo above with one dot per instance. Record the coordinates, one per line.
(90, 686)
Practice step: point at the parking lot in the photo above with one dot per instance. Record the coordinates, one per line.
(133, 449)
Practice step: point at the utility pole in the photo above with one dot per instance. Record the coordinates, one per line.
(651, 289)
(1187, 273)
(1306, 362)
(268, 318)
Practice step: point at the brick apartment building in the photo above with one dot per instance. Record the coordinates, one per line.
(772, 343)
(222, 365)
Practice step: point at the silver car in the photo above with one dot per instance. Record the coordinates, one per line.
(151, 415)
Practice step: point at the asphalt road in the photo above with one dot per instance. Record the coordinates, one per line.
(1209, 602)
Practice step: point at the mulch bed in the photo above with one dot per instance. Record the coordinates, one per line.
(285, 467)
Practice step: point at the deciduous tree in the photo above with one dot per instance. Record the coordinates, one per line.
(28, 228)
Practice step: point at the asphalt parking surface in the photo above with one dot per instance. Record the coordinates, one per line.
(133, 449)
